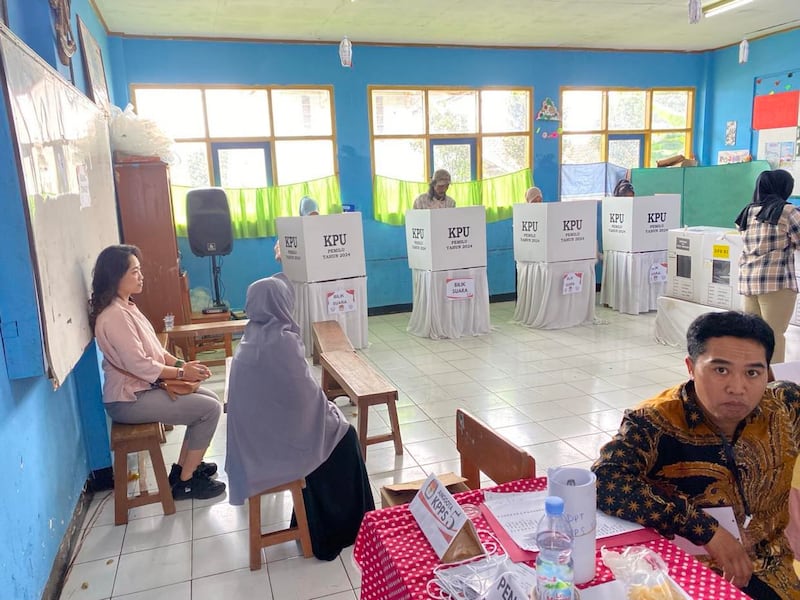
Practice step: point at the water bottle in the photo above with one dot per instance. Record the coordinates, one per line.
(554, 574)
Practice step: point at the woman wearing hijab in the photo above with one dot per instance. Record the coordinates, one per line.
(281, 427)
(770, 229)
(533, 195)
(436, 196)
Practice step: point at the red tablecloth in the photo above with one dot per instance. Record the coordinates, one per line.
(397, 561)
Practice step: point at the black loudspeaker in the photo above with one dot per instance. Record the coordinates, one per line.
(208, 222)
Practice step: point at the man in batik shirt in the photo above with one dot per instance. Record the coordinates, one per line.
(721, 439)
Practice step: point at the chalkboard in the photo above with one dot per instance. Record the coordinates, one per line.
(64, 159)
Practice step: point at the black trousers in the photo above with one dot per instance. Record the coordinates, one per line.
(759, 590)
(337, 494)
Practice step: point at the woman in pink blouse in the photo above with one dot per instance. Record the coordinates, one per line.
(134, 361)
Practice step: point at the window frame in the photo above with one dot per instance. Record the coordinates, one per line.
(268, 140)
(428, 137)
(647, 131)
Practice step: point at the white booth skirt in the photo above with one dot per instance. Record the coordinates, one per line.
(342, 300)
(443, 312)
(626, 283)
(541, 301)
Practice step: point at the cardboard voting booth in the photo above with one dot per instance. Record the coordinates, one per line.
(640, 223)
(322, 247)
(323, 256)
(555, 231)
(443, 239)
(447, 256)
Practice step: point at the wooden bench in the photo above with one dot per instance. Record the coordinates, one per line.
(185, 336)
(134, 438)
(365, 388)
(484, 450)
(328, 336)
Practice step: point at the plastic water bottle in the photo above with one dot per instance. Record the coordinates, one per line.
(554, 571)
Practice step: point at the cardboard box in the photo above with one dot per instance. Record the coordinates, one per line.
(555, 231)
(720, 282)
(322, 247)
(446, 238)
(685, 261)
(403, 493)
(640, 223)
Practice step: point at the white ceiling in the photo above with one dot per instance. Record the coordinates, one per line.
(617, 24)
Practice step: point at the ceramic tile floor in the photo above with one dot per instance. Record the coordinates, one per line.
(559, 394)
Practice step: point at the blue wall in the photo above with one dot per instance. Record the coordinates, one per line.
(733, 86)
(51, 439)
(247, 63)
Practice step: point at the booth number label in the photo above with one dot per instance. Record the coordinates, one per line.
(658, 273)
(572, 283)
(722, 251)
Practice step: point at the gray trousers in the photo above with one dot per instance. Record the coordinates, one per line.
(199, 411)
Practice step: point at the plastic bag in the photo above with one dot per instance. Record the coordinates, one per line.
(643, 572)
(132, 134)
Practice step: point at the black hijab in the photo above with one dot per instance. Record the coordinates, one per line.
(772, 191)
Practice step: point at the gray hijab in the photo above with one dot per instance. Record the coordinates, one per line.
(280, 425)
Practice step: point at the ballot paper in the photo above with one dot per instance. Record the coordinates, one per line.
(519, 514)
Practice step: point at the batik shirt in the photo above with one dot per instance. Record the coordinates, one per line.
(667, 462)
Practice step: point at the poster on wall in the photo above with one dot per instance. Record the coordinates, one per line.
(729, 157)
(730, 133)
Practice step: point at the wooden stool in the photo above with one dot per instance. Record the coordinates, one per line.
(135, 438)
(299, 532)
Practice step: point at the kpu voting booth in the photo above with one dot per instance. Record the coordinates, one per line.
(555, 247)
(447, 257)
(323, 257)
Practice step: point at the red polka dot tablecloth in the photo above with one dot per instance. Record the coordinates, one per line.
(397, 561)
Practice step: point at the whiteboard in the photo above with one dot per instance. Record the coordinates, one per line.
(64, 157)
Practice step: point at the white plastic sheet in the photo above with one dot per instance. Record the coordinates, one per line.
(627, 285)
(313, 302)
(541, 302)
(436, 316)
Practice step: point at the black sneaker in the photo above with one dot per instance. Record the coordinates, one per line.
(204, 469)
(200, 488)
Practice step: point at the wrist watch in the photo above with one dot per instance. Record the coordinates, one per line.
(180, 373)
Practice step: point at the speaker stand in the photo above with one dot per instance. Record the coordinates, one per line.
(215, 271)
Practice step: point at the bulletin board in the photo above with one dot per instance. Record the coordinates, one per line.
(63, 156)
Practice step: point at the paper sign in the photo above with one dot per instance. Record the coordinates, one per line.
(460, 289)
(572, 283)
(727, 520)
(441, 519)
(658, 273)
(341, 301)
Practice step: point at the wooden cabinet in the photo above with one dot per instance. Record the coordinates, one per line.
(146, 221)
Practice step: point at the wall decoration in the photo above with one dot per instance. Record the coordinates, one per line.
(65, 42)
(93, 68)
(346, 52)
(730, 133)
(549, 111)
(729, 157)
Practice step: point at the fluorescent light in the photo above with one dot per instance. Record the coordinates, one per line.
(723, 6)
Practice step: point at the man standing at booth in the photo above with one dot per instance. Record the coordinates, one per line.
(436, 196)
(723, 439)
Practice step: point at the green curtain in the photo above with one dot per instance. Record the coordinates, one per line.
(253, 210)
(393, 197)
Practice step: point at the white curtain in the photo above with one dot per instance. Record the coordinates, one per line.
(541, 301)
(626, 283)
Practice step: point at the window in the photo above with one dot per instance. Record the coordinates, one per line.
(475, 134)
(628, 127)
(244, 137)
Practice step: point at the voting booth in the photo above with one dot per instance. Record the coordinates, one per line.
(447, 256)
(555, 248)
(635, 242)
(323, 257)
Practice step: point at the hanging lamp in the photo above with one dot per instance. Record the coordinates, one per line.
(346, 52)
(695, 11)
